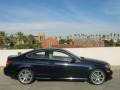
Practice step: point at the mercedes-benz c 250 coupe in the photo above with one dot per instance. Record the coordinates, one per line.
(56, 64)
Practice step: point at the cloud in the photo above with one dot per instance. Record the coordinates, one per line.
(69, 19)
(33, 13)
(78, 13)
(58, 28)
(39, 12)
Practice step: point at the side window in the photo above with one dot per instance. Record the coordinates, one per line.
(39, 55)
(56, 55)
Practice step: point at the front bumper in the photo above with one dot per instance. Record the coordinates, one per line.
(109, 74)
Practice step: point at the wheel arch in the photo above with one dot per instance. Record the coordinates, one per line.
(92, 69)
(23, 67)
(102, 69)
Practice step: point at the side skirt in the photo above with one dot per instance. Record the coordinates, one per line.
(69, 78)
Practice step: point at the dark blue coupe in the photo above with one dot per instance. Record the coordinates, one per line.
(56, 64)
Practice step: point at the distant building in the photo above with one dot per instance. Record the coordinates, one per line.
(66, 46)
(89, 43)
(49, 42)
(40, 37)
(45, 41)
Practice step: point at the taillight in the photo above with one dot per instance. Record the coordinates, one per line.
(9, 62)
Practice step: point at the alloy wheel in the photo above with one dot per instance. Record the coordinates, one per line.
(97, 77)
(25, 76)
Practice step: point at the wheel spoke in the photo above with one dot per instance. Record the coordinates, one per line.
(25, 76)
(97, 77)
(23, 79)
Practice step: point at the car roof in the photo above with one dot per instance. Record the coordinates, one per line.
(49, 49)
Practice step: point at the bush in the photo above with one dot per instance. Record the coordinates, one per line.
(25, 46)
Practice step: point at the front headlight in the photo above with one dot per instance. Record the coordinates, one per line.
(107, 66)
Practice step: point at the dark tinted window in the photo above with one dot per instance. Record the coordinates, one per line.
(57, 55)
(39, 55)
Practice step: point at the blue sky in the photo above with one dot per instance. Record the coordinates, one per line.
(60, 17)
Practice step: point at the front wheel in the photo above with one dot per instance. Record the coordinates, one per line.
(97, 77)
(26, 76)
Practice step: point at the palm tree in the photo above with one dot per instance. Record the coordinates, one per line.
(60, 37)
(103, 36)
(6, 40)
(3, 38)
(71, 36)
(31, 39)
(68, 37)
(2, 33)
(100, 36)
(75, 35)
(12, 41)
(107, 37)
(79, 35)
(111, 35)
(114, 35)
(93, 36)
(96, 35)
(118, 35)
(20, 37)
(25, 39)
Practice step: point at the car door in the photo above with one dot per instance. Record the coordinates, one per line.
(40, 63)
(63, 67)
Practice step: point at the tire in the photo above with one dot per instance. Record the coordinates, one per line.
(97, 77)
(25, 76)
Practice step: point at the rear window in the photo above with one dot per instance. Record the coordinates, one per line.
(38, 55)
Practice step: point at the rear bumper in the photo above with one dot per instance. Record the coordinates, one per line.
(9, 73)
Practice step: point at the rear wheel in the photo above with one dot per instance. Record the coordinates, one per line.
(97, 77)
(26, 76)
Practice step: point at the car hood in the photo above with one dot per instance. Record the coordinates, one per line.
(93, 61)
